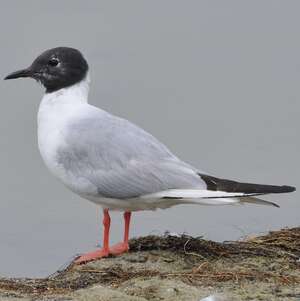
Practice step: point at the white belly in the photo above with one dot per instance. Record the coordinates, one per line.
(51, 141)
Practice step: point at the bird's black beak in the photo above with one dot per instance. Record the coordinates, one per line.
(21, 73)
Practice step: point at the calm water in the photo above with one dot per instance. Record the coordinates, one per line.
(217, 82)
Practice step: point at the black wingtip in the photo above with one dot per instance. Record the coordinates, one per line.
(287, 188)
(214, 183)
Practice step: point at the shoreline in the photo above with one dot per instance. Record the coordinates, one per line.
(177, 268)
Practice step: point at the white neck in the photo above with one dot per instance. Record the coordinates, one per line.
(75, 94)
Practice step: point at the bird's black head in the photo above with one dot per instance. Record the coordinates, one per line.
(56, 68)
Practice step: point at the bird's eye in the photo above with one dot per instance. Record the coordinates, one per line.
(53, 62)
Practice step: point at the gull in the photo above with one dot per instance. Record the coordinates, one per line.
(112, 162)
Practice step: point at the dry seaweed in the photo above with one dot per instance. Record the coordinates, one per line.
(270, 258)
(285, 242)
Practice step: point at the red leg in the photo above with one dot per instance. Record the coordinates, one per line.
(106, 224)
(123, 246)
(127, 216)
(104, 252)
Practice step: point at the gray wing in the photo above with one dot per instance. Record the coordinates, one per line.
(120, 159)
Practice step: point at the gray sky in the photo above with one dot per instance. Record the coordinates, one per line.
(217, 81)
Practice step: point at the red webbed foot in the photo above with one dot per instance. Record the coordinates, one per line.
(92, 256)
(119, 248)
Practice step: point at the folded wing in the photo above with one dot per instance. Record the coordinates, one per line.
(120, 160)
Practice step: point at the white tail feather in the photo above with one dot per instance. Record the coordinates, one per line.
(195, 194)
(253, 200)
(169, 198)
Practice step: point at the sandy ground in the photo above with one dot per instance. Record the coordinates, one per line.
(177, 268)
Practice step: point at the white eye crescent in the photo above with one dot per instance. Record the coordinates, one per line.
(53, 62)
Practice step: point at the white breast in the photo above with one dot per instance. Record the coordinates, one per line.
(55, 112)
(51, 124)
